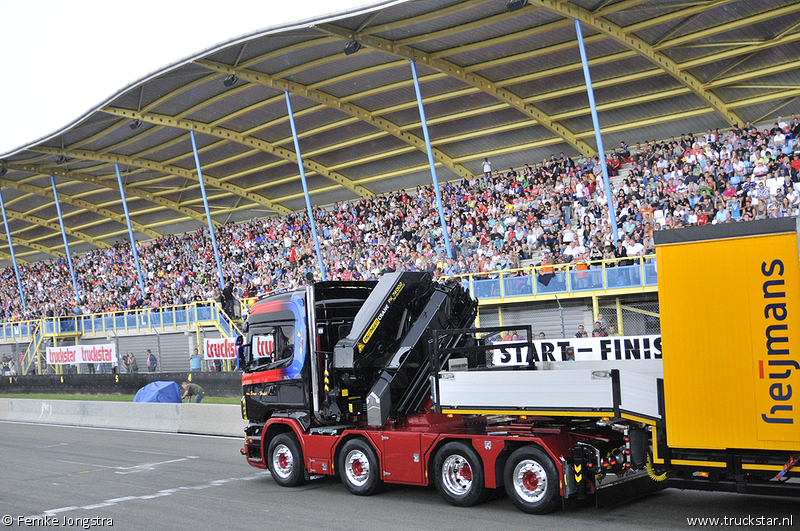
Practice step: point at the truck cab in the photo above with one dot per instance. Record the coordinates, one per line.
(285, 334)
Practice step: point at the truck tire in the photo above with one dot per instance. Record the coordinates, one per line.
(285, 460)
(359, 468)
(531, 480)
(458, 475)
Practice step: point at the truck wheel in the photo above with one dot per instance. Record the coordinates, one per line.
(531, 481)
(458, 475)
(359, 468)
(286, 460)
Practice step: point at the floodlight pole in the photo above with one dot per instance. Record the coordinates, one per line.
(305, 185)
(442, 219)
(130, 229)
(596, 122)
(13, 257)
(208, 213)
(66, 244)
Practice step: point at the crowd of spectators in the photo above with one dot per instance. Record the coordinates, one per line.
(556, 210)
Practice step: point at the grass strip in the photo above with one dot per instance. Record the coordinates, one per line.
(110, 398)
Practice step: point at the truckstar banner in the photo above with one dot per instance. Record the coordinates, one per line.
(219, 349)
(585, 349)
(264, 346)
(72, 355)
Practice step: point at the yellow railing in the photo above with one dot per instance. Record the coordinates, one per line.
(32, 353)
(19, 331)
(641, 274)
(572, 279)
(163, 319)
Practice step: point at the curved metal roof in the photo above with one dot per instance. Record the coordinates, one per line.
(495, 82)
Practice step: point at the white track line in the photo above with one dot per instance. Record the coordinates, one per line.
(159, 494)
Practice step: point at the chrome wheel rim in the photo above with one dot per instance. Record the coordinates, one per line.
(357, 468)
(282, 461)
(530, 480)
(456, 475)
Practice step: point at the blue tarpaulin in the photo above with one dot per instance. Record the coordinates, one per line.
(159, 392)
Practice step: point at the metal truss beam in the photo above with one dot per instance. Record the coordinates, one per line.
(350, 109)
(152, 165)
(86, 205)
(186, 88)
(56, 227)
(8, 256)
(639, 46)
(457, 72)
(16, 240)
(758, 18)
(245, 140)
(112, 185)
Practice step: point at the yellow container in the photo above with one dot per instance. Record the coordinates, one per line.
(730, 326)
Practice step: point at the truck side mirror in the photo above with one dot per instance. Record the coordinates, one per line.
(241, 353)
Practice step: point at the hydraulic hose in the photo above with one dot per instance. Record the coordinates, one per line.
(653, 475)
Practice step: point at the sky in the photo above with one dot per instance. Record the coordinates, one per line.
(60, 58)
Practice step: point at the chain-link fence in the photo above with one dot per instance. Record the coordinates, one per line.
(171, 352)
(633, 319)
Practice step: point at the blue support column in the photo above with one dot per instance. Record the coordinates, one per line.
(601, 152)
(13, 257)
(305, 185)
(66, 244)
(130, 229)
(442, 220)
(208, 213)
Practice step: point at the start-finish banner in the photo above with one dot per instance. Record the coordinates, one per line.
(583, 349)
(219, 349)
(106, 353)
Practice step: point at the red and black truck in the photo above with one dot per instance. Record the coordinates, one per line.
(347, 378)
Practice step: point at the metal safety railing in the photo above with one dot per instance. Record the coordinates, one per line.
(560, 279)
(163, 319)
(142, 321)
(18, 331)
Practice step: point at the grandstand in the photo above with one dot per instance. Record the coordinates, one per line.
(497, 84)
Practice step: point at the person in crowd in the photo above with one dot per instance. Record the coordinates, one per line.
(599, 330)
(152, 361)
(195, 362)
(133, 366)
(487, 167)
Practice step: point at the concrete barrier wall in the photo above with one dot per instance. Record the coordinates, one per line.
(211, 419)
(206, 419)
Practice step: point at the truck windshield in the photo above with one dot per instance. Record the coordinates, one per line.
(271, 347)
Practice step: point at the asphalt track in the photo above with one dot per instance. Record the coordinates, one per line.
(155, 481)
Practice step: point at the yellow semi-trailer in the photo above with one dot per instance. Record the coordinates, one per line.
(729, 297)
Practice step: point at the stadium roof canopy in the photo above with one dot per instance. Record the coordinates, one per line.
(499, 83)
